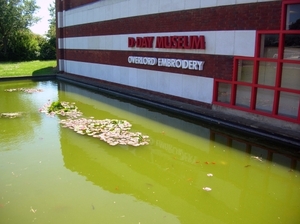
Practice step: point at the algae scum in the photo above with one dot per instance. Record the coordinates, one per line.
(66, 162)
(112, 131)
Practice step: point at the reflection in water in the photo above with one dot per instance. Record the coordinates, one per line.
(276, 153)
(171, 178)
(171, 172)
(22, 127)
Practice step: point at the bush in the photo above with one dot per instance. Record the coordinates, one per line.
(48, 49)
(22, 46)
(26, 46)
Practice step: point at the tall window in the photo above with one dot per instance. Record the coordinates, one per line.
(269, 83)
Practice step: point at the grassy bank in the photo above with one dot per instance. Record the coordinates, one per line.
(28, 68)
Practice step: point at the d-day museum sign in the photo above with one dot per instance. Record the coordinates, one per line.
(167, 42)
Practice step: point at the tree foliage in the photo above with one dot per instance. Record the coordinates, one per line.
(24, 46)
(48, 47)
(17, 42)
(15, 17)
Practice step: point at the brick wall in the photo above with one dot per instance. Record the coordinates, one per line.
(254, 16)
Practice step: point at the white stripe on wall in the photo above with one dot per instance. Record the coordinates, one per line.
(185, 86)
(232, 42)
(116, 9)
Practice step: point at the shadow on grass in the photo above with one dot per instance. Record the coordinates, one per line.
(45, 71)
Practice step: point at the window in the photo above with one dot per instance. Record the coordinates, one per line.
(268, 83)
(293, 17)
(269, 48)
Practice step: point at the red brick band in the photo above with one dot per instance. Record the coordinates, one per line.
(216, 66)
(252, 16)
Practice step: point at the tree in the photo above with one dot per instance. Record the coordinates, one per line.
(48, 47)
(15, 16)
(25, 46)
(52, 21)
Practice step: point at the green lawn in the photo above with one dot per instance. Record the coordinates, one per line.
(28, 68)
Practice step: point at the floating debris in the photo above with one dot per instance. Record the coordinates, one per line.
(111, 131)
(207, 189)
(65, 109)
(257, 158)
(210, 175)
(25, 90)
(11, 115)
(32, 210)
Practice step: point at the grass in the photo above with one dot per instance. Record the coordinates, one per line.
(27, 68)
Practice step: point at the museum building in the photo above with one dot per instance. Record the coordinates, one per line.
(237, 57)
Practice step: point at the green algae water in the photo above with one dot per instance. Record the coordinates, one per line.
(188, 173)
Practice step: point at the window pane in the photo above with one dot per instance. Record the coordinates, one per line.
(245, 71)
(243, 96)
(269, 46)
(224, 92)
(293, 17)
(290, 76)
(289, 104)
(292, 47)
(267, 73)
(264, 100)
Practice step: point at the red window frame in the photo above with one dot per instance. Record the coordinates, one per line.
(254, 84)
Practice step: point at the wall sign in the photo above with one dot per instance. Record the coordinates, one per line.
(167, 62)
(177, 42)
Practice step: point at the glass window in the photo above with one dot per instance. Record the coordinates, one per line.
(264, 100)
(293, 17)
(267, 73)
(243, 96)
(289, 104)
(290, 77)
(245, 71)
(224, 92)
(269, 45)
(292, 47)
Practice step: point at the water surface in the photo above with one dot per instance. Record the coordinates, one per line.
(50, 174)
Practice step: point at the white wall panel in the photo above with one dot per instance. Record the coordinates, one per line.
(132, 75)
(61, 65)
(244, 43)
(190, 87)
(244, 1)
(192, 4)
(142, 6)
(174, 89)
(165, 84)
(153, 7)
(152, 82)
(124, 77)
(177, 5)
(225, 42)
(124, 10)
(208, 3)
(225, 2)
(235, 43)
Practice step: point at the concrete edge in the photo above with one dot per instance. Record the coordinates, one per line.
(190, 114)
